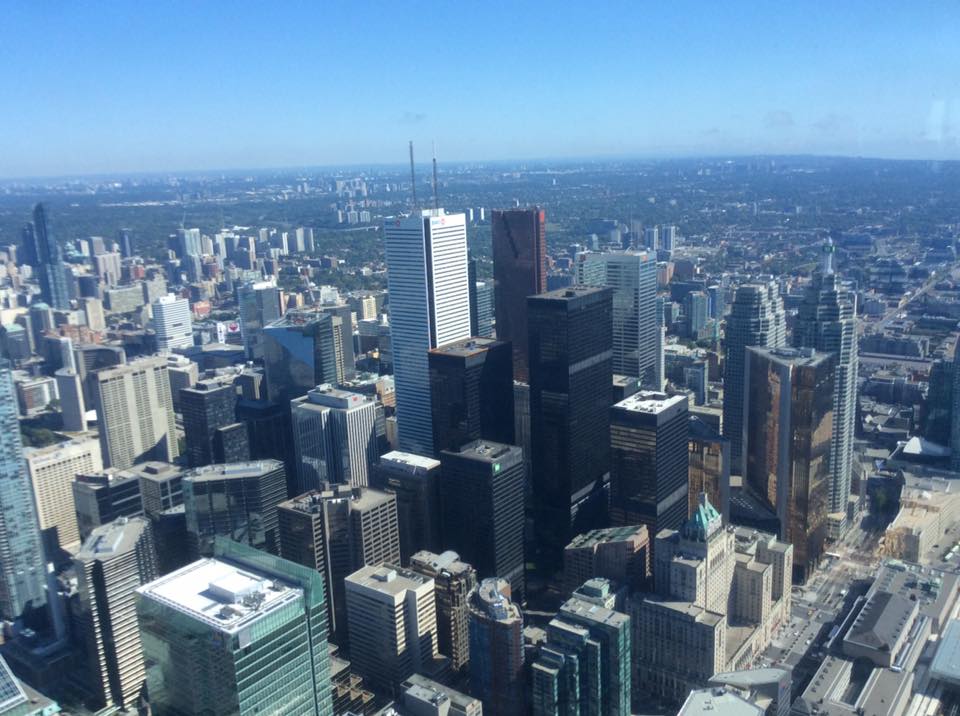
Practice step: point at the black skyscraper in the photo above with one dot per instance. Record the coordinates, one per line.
(210, 424)
(571, 348)
(45, 254)
(482, 507)
(471, 388)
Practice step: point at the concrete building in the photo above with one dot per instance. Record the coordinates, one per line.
(496, 649)
(101, 497)
(425, 697)
(242, 632)
(73, 407)
(135, 410)
(926, 512)
(618, 553)
(172, 323)
(114, 561)
(415, 480)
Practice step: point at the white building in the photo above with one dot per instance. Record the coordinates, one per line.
(172, 323)
(429, 307)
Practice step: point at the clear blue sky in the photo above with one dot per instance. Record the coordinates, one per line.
(95, 87)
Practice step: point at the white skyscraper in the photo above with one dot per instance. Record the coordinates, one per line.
(172, 322)
(335, 437)
(429, 307)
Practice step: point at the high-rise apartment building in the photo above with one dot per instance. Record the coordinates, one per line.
(240, 633)
(73, 407)
(787, 436)
(453, 581)
(172, 323)
(259, 304)
(570, 377)
(621, 554)
(238, 501)
(756, 319)
(415, 480)
(22, 568)
(343, 319)
(429, 307)
(301, 351)
(114, 561)
(648, 471)
(496, 649)
(210, 424)
(632, 275)
(52, 470)
(827, 322)
(135, 410)
(334, 436)
(471, 387)
(519, 270)
(46, 255)
(709, 467)
(337, 530)
(392, 620)
(482, 507)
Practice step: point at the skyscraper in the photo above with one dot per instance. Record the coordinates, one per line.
(787, 435)
(300, 351)
(238, 501)
(337, 530)
(259, 304)
(429, 307)
(415, 480)
(241, 633)
(22, 572)
(756, 319)
(519, 270)
(633, 277)
(334, 435)
(135, 410)
(621, 554)
(44, 253)
(210, 424)
(482, 507)
(73, 408)
(570, 383)
(114, 561)
(471, 388)
(827, 323)
(648, 471)
(709, 467)
(343, 319)
(496, 649)
(172, 322)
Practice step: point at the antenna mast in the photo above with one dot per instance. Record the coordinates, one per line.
(436, 202)
(413, 178)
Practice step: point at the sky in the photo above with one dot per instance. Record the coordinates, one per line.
(124, 87)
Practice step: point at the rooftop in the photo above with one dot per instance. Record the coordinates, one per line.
(233, 470)
(946, 663)
(220, 594)
(648, 401)
(361, 498)
(407, 461)
(466, 348)
(485, 450)
(387, 579)
(112, 539)
(881, 621)
(489, 598)
(718, 702)
(448, 562)
(609, 534)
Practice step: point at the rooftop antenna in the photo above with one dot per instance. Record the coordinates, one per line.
(413, 178)
(436, 202)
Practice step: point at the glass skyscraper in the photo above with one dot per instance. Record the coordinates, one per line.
(46, 255)
(22, 570)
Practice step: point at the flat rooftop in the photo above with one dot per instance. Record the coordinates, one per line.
(232, 470)
(485, 450)
(111, 539)
(386, 579)
(466, 348)
(220, 594)
(399, 460)
(718, 702)
(648, 401)
(608, 534)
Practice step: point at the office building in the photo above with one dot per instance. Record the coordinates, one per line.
(259, 304)
(172, 323)
(135, 410)
(695, 313)
(334, 437)
(482, 507)
(570, 378)
(343, 319)
(73, 408)
(708, 467)
(210, 425)
(44, 253)
(519, 270)
(52, 470)
(301, 350)
(415, 480)
(471, 387)
(337, 530)
(453, 581)
(787, 437)
(392, 621)
(621, 554)
(425, 697)
(240, 633)
(496, 649)
(585, 665)
(826, 322)
(632, 276)
(238, 501)
(182, 373)
(756, 319)
(429, 307)
(101, 497)
(648, 472)
(22, 568)
(481, 309)
(114, 561)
